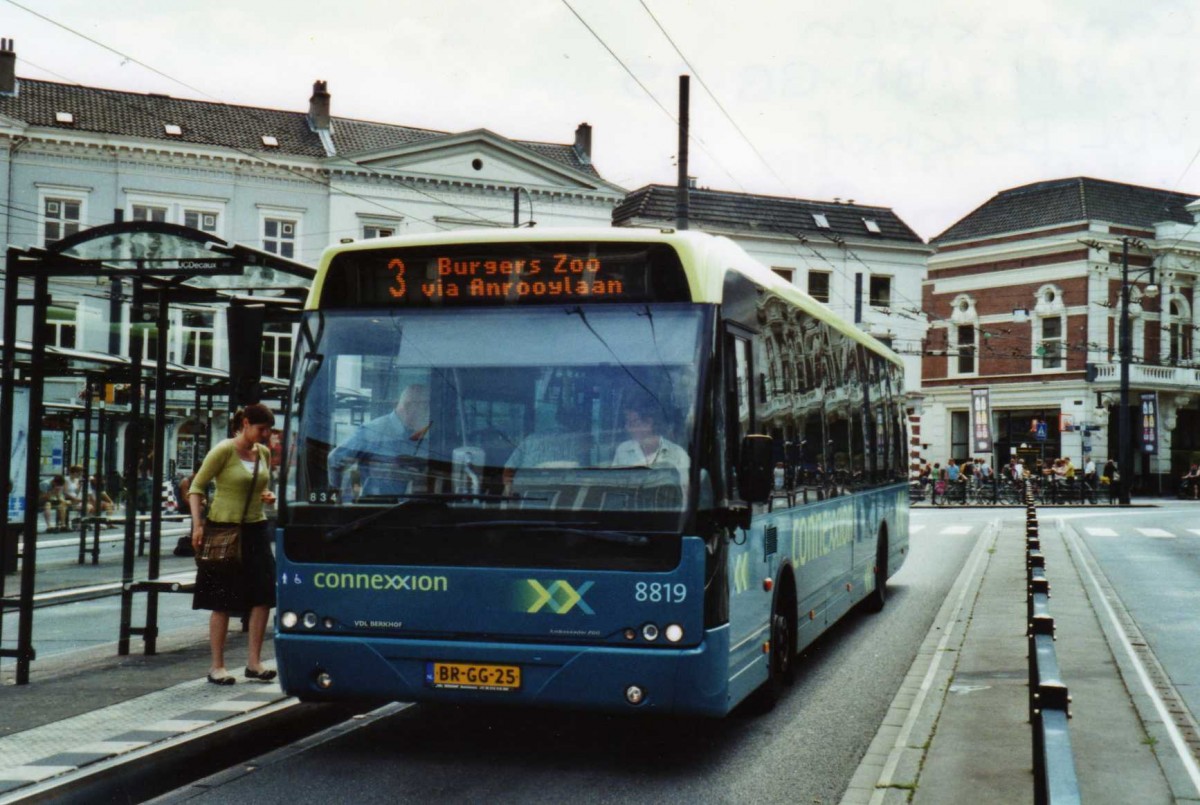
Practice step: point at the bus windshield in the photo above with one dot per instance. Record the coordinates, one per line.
(563, 414)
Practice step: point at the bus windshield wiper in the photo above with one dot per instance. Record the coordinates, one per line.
(439, 499)
(550, 526)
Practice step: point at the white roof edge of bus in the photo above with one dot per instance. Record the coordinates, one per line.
(701, 245)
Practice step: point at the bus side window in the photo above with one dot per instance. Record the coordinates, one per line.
(740, 391)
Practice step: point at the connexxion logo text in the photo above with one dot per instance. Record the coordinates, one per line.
(380, 581)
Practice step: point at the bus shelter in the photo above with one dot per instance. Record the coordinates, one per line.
(146, 267)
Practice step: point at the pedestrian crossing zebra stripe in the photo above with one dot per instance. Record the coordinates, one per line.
(1100, 532)
(1156, 532)
(954, 530)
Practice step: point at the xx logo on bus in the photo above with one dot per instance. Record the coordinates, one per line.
(557, 596)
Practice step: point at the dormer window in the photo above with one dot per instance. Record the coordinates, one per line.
(821, 221)
(872, 226)
(270, 140)
(64, 117)
(173, 129)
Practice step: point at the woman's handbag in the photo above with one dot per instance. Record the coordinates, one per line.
(222, 543)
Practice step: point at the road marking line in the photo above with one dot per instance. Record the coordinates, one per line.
(1177, 740)
(912, 529)
(1195, 531)
(1100, 532)
(1156, 532)
(957, 529)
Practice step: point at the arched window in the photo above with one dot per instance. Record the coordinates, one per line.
(1049, 330)
(1179, 331)
(963, 341)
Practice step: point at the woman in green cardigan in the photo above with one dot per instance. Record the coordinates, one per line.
(241, 469)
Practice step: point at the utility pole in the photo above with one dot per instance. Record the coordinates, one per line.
(682, 202)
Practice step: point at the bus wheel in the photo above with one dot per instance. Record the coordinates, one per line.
(781, 669)
(878, 597)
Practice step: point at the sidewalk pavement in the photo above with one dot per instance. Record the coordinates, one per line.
(86, 710)
(959, 731)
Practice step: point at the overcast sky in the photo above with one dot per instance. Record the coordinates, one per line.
(928, 107)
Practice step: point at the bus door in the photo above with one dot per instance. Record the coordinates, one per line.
(749, 604)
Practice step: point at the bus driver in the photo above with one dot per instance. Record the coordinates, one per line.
(379, 447)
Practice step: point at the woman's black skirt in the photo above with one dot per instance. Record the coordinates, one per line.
(236, 589)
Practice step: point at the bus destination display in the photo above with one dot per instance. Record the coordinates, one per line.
(506, 274)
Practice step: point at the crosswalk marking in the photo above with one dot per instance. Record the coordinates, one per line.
(957, 529)
(912, 529)
(1195, 531)
(1100, 532)
(1156, 532)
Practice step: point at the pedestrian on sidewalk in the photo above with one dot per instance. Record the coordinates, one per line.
(1090, 479)
(247, 587)
(1109, 478)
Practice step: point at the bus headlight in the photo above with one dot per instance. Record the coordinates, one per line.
(310, 620)
(289, 620)
(650, 632)
(674, 632)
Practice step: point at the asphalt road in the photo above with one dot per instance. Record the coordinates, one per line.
(1151, 557)
(806, 750)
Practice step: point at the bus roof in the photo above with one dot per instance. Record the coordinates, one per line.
(706, 259)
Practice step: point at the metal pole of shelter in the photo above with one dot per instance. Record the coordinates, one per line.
(25, 650)
(133, 441)
(8, 371)
(86, 487)
(160, 423)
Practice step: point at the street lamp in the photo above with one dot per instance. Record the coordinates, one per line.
(1124, 443)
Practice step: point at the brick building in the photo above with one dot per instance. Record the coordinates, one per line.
(1024, 296)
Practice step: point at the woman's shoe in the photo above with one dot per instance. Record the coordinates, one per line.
(224, 678)
(265, 675)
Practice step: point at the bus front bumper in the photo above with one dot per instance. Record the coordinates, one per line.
(690, 680)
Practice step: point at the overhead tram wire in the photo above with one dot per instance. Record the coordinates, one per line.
(699, 141)
(713, 95)
(255, 154)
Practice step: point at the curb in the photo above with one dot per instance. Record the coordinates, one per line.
(889, 771)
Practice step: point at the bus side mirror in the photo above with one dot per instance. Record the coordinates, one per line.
(756, 473)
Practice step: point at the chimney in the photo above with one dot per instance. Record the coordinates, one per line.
(583, 143)
(318, 107)
(8, 68)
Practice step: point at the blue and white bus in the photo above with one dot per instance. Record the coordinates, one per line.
(626, 470)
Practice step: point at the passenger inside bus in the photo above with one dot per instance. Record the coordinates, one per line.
(383, 449)
(646, 446)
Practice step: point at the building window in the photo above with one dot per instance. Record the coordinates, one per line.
(61, 324)
(1049, 330)
(279, 237)
(966, 349)
(881, 291)
(818, 285)
(786, 273)
(62, 217)
(1179, 333)
(963, 337)
(277, 350)
(204, 220)
(146, 212)
(1051, 348)
(197, 338)
(371, 231)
